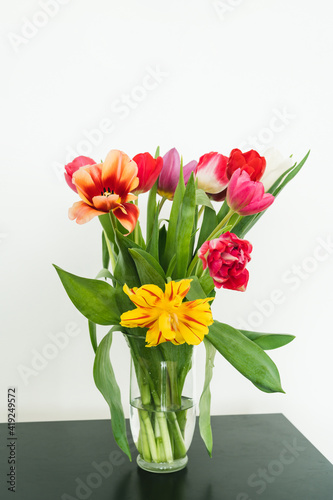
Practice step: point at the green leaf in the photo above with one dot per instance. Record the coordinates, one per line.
(202, 199)
(171, 242)
(95, 299)
(157, 152)
(105, 252)
(196, 291)
(222, 212)
(161, 245)
(209, 223)
(93, 336)
(171, 267)
(125, 270)
(207, 284)
(149, 270)
(268, 341)
(195, 229)
(151, 211)
(153, 243)
(105, 273)
(105, 381)
(137, 233)
(205, 399)
(107, 226)
(246, 356)
(184, 229)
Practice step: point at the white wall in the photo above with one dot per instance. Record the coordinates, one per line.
(225, 70)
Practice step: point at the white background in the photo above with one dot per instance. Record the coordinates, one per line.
(225, 71)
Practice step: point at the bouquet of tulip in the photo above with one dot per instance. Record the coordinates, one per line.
(158, 289)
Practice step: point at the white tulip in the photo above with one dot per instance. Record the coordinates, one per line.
(276, 164)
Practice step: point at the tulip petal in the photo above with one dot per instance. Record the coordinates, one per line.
(119, 173)
(129, 219)
(106, 203)
(211, 173)
(88, 182)
(82, 212)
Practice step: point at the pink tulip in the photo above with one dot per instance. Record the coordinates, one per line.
(211, 173)
(148, 171)
(169, 175)
(73, 166)
(247, 197)
(226, 258)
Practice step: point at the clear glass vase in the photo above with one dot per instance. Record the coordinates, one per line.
(162, 410)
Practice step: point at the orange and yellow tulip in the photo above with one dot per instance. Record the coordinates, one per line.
(106, 187)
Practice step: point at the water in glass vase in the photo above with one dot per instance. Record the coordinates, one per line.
(162, 436)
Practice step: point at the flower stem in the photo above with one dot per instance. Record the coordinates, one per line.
(144, 440)
(162, 422)
(177, 434)
(136, 229)
(161, 203)
(150, 435)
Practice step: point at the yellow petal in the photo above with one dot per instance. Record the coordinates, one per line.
(165, 326)
(137, 317)
(177, 289)
(154, 336)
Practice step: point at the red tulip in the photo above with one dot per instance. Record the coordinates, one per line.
(226, 258)
(73, 166)
(251, 162)
(148, 171)
(247, 197)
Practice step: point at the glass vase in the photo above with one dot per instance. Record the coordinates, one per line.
(162, 409)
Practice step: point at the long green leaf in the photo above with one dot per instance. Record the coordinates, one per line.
(105, 252)
(95, 299)
(105, 381)
(184, 229)
(268, 341)
(222, 212)
(162, 236)
(151, 211)
(107, 226)
(171, 242)
(153, 242)
(205, 399)
(149, 270)
(246, 356)
(93, 334)
(125, 270)
(209, 223)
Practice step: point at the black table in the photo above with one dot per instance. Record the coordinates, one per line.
(255, 457)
